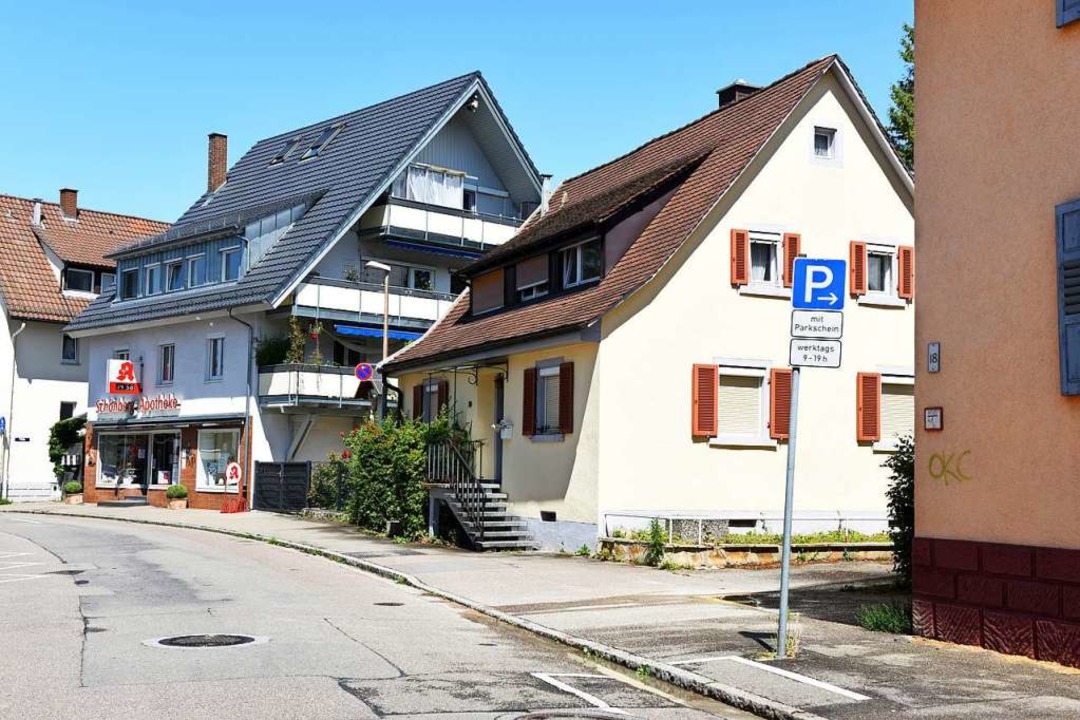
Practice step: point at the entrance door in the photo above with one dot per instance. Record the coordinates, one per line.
(500, 395)
(165, 452)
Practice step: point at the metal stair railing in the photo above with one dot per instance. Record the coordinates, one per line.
(448, 465)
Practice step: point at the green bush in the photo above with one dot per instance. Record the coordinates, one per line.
(901, 501)
(882, 617)
(176, 492)
(72, 487)
(323, 492)
(62, 435)
(272, 351)
(655, 544)
(4, 501)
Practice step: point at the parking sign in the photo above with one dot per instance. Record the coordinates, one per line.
(819, 284)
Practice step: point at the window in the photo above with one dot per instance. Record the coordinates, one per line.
(401, 276)
(196, 271)
(420, 279)
(431, 402)
(122, 459)
(879, 271)
(69, 353)
(897, 411)
(732, 403)
(122, 354)
(215, 358)
(581, 263)
(67, 410)
(741, 402)
(166, 363)
(174, 276)
(548, 403)
(217, 448)
(153, 279)
(346, 356)
(1067, 11)
(824, 143)
(230, 264)
(322, 141)
(80, 280)
(431, 185)
(764, 260)
(108, 281)
(468, 201)
(547, 407)
(532, 292)
(286, 151)
(129, 284)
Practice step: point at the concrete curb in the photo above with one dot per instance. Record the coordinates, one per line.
(760, 706)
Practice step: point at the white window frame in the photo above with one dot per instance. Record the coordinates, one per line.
(889, 297)
(112, 279)
(210, 376)
(162, 380)
(202, 483)
(122, 353)
(533, 291)
(226, 253)
(191, 260)
(546, 429)
(835, 157)
(67, 274)
(167, 287)
(893, 376)
(774, 288)
(121, 289)
(830, 142)
(146, 279)
(577, 249)
(64, 360)
(741, 367)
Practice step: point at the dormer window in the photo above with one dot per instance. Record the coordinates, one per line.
(108, 281)
(129, 284)
(78, 279)
(230, 264)
(196, 271)
(581, 263)
(174, 276)
(286, 151)
(322, 141)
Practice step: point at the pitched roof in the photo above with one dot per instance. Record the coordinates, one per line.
(28, 283)
(713, 150)
(347, 177)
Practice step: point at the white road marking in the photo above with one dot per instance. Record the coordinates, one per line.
(8, 563)
(798, 678)
(17, 578)
(698, 661)
(567, 688)
(23, 520)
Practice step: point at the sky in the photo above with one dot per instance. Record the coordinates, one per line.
(116, 98)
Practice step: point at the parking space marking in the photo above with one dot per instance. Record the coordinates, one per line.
(799, 678)
(7, 563)
(550, 679)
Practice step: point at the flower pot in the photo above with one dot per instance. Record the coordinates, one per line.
(73, 499)
(180, 504)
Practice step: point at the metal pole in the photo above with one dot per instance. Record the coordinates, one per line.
(789, 497)
(386, 317)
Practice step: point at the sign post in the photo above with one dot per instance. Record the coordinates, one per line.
(817, 324)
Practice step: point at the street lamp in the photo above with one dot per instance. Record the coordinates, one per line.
(386, 305)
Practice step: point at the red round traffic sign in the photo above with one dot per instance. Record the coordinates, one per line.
(364, 372)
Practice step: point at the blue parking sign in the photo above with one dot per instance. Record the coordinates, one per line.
(819, 284)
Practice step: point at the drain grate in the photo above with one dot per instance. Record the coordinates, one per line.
(206, 641)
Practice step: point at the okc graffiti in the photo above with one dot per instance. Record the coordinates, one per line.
(946, 466)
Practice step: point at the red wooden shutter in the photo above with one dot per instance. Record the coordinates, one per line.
(905, 286)
(443, 395)
(418, 401)
(740, 257)
(780, 403)
(528, 404)
(703, 411)
(868, 407)
(857, 270)
(566, 398)
(792, 248)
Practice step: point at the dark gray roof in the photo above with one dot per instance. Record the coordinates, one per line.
(373, 143)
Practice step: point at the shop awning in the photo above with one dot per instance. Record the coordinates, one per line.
(354, 331)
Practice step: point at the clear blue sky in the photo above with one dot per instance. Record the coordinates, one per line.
(116, 98)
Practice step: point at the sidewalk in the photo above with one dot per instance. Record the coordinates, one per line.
(679, 621)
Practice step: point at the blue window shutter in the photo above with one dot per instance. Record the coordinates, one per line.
(1068, 259)
(1067, 11)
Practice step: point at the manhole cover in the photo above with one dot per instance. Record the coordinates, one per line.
(389, 604)
(216, 640)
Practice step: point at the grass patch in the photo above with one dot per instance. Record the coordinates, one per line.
(757, 538)
(885, 617)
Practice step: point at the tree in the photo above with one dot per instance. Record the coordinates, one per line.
(902, 112)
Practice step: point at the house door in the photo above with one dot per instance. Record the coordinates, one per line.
(497, 444)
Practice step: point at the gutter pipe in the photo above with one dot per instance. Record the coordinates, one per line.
(5, 486)
(247, 403)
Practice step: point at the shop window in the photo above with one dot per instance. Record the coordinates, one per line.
(217, 448)
(122, 459)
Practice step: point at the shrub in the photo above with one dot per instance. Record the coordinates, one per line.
(72, 487)
(272, 351)
(657, 541)
(882, 617)
(901, 500)
(176, 492)
(62, 436)
(4, 501)
(325, 477)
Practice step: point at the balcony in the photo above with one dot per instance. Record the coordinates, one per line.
(308, 386)
(357, 301)
(407, 221)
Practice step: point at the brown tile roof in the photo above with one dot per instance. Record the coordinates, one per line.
(717, 147)
(28, 284)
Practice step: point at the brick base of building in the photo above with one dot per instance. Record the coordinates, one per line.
(1014, 599)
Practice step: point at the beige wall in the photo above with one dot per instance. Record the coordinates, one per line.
(996, 151)
(691, 314)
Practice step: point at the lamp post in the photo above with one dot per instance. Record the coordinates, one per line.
(386, 305)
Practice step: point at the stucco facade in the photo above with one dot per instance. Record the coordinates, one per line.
(995, 155)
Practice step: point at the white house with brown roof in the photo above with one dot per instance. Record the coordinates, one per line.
(52, 264)
(625, 356)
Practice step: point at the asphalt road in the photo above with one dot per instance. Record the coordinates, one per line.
(83, 602)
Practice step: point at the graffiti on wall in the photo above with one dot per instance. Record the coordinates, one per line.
(949, 466)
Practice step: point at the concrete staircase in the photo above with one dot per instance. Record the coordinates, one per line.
(499, 529)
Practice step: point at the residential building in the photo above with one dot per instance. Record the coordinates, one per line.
(52, 264)
(233, 337)
(997, 555)
(656, 288)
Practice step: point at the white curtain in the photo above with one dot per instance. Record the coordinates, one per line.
(435, 187)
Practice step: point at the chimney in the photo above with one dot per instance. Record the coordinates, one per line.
(36, 217)
(545, 193)
(735, 91)
(217, 161)
(69, 204)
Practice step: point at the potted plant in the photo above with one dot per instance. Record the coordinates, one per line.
(73, 494)
(177, 496)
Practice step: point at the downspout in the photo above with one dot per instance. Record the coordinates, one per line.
(11, 409)
(247, 407)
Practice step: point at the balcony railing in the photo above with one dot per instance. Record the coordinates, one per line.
(296, 384)
(455, 227)
(407, 306)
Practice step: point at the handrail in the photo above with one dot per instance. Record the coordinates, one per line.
(447, 465)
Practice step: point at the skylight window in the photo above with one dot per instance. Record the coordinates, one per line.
(286, 151)
(322, 141)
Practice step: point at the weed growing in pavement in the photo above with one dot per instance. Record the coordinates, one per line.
(892, 617)
(656, 543)
(583, 551)
(588, 653)
(672, 566)
(794, 639)
(400, 580)
(401, 540)
(643, 671)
